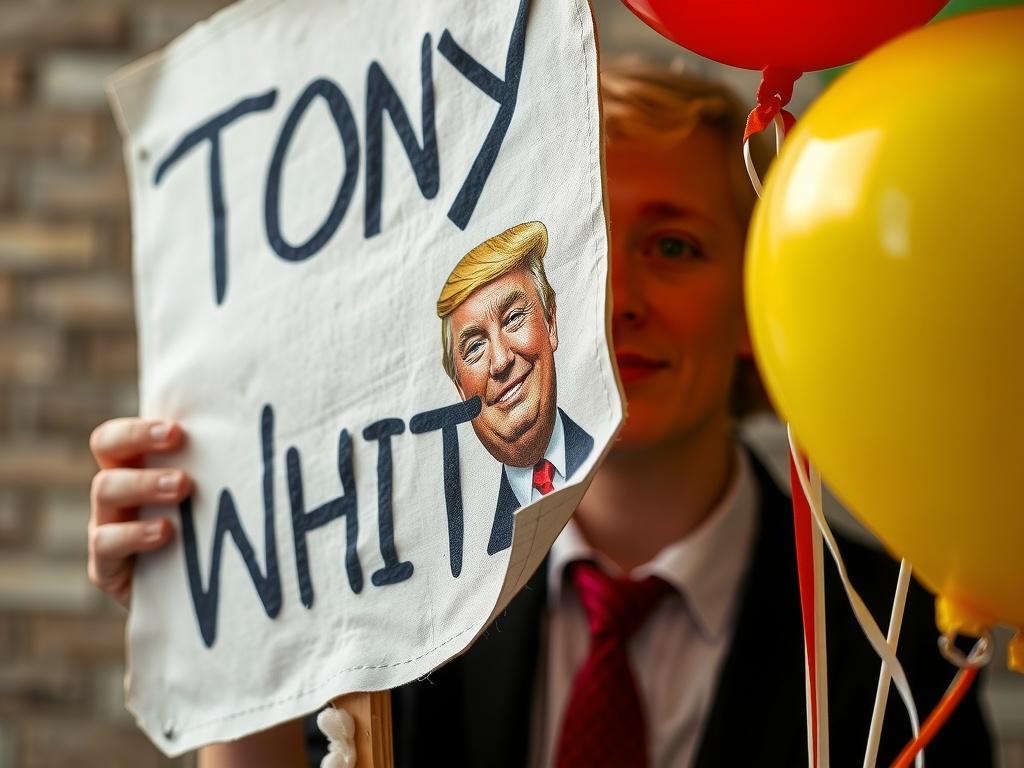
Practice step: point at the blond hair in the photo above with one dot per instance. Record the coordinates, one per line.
(521, 246)
(660, 107)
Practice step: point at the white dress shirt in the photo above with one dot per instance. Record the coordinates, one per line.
(676, 655)
(521, 478)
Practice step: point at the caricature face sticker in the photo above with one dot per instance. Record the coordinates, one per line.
(499, 336)
(321, 189)
(503, 337)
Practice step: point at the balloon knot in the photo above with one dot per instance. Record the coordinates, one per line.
(773, 95)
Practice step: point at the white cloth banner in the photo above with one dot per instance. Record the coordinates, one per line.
(370, 268)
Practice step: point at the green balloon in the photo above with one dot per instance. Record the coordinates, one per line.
(954, 8)
(966, 6)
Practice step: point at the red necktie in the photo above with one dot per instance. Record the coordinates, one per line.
(604, 719)
(543, 474)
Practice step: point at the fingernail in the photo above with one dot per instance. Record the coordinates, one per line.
(168, 481)
(160, 432)
(152, 531)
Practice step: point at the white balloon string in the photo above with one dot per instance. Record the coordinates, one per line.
(811, 756)
(980, 655)
(892, 639)
(755, 180)
(816, 758)
(860, 610)
(820, 642)
(748, 161)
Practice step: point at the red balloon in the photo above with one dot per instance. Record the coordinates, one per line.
(800, 35)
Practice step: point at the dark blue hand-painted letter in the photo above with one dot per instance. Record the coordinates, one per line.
(303, 522)
(504, 92)
(349, 133)
(381, 97)
(210, 131)
(447, 419)
(394, 571)
(267, 587)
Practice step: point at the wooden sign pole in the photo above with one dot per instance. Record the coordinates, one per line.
(372, 715)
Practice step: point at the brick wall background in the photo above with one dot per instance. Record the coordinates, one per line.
(68, 362)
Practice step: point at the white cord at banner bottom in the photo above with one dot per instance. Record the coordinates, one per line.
(860, 611)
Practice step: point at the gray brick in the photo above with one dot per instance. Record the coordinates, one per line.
(8, 297)
(63, 522)
(74, 136)
(32, 583)
(32, 26)
(72, 409)
(103, 300)
(50, 464)
(84, 640)
(34, 244)
(42, 687)
(29, 354)
(13, 637)
(6, 184)
(60, 190)
(80, 742)
(14, 519)
(15, 79)
(112, 355)
(8, 746)
(77, 79)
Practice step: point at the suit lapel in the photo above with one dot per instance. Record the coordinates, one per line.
(758, 709)
(501, 529)
(578, 445)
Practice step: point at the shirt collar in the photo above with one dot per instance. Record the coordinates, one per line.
(521, 478)
(705, 567)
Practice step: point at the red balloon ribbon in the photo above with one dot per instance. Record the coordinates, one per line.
(773, 95)
(803, 524)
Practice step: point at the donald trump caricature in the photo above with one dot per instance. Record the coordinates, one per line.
(499, 335)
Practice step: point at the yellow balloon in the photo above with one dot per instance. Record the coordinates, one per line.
(885, 291)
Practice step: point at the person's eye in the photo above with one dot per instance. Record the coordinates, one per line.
(676, 248)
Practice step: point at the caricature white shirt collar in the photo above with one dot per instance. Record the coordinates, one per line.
(521, 478)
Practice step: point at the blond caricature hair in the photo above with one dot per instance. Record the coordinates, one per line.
(659, 107)
(523, 245)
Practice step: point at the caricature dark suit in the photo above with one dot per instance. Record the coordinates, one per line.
(578, 445)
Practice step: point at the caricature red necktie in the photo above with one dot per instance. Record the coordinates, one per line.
(604, 722)
(543, 477)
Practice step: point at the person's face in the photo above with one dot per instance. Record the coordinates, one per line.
(677, 257)
(504, 353)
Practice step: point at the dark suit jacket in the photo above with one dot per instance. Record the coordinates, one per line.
(578, 445)
(475, 711)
